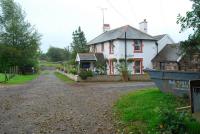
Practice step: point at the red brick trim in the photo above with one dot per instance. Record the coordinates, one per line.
(141, 65)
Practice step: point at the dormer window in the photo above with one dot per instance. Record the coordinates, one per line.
(137, 46)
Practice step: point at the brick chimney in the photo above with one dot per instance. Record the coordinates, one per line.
(106, 27)
(143, 26)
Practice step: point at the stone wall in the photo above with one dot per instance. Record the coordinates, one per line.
(107, 78)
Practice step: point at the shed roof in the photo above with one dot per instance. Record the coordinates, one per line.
(170, 53)
(119, 33)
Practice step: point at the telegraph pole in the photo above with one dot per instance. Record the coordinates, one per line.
(103, 9)
(125, 41)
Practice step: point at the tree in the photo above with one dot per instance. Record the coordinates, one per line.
(67, 54)
(18, 34)
(191, 20)
(8, 57)
(79, 44)
(56, 54)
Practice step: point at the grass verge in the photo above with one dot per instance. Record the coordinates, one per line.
(63, 78)
(2, 77)
(139, 111)
(21, 79)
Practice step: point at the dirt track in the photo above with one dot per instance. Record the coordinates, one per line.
(47, 105)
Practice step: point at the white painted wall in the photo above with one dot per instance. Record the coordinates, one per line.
(164, 41)
(149, 51)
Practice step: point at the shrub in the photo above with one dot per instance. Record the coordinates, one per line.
(73, 71)
(172, 122)
(84, 74)
(121, 60)
(177, 123)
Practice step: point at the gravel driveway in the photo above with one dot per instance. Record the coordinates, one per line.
(48, 105)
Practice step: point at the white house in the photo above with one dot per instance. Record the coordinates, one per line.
(126, 42)
(162, 40)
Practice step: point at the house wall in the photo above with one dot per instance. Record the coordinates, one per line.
(149, 51)
(164, 41)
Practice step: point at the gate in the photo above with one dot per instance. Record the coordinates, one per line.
(195, 95)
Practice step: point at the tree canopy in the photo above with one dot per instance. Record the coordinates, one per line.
(191, 20)
(17, 36)
(58, 54)
(79, 44)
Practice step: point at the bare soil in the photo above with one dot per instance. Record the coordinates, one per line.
(48, 105)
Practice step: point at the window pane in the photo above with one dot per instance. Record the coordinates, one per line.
(137, 45)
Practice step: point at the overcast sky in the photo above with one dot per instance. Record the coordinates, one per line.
(57, 19)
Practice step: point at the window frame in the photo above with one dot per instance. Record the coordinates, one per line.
(140, 67)
(138, 45)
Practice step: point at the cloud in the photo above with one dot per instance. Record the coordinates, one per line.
(56, 20)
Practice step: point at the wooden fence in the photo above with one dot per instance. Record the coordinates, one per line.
(8, 74)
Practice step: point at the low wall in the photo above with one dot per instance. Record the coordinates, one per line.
(70, 76)
(107, 78)
(177, 82)
(140, 77)
(102, 78)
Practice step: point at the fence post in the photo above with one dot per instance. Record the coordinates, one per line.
(6, 77)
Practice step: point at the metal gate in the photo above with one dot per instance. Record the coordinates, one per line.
(195, 95)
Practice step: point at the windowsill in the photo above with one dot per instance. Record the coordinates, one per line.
(138, 51)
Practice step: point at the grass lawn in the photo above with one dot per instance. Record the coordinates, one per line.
(138, 111)
(2, 77)
(22, 79)
(64, 78)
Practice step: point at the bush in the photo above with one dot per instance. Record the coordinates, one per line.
(172, 122)
(84, 74)
(73, 71)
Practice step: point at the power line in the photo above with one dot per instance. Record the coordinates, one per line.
(132, 10)
(119, 13)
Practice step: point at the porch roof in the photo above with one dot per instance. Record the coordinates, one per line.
(86, 57)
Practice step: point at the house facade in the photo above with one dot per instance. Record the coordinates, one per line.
(139, 54)
(126, 42)
(162, 40)
(129, 44)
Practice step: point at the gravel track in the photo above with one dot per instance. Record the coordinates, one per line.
(48, 105)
